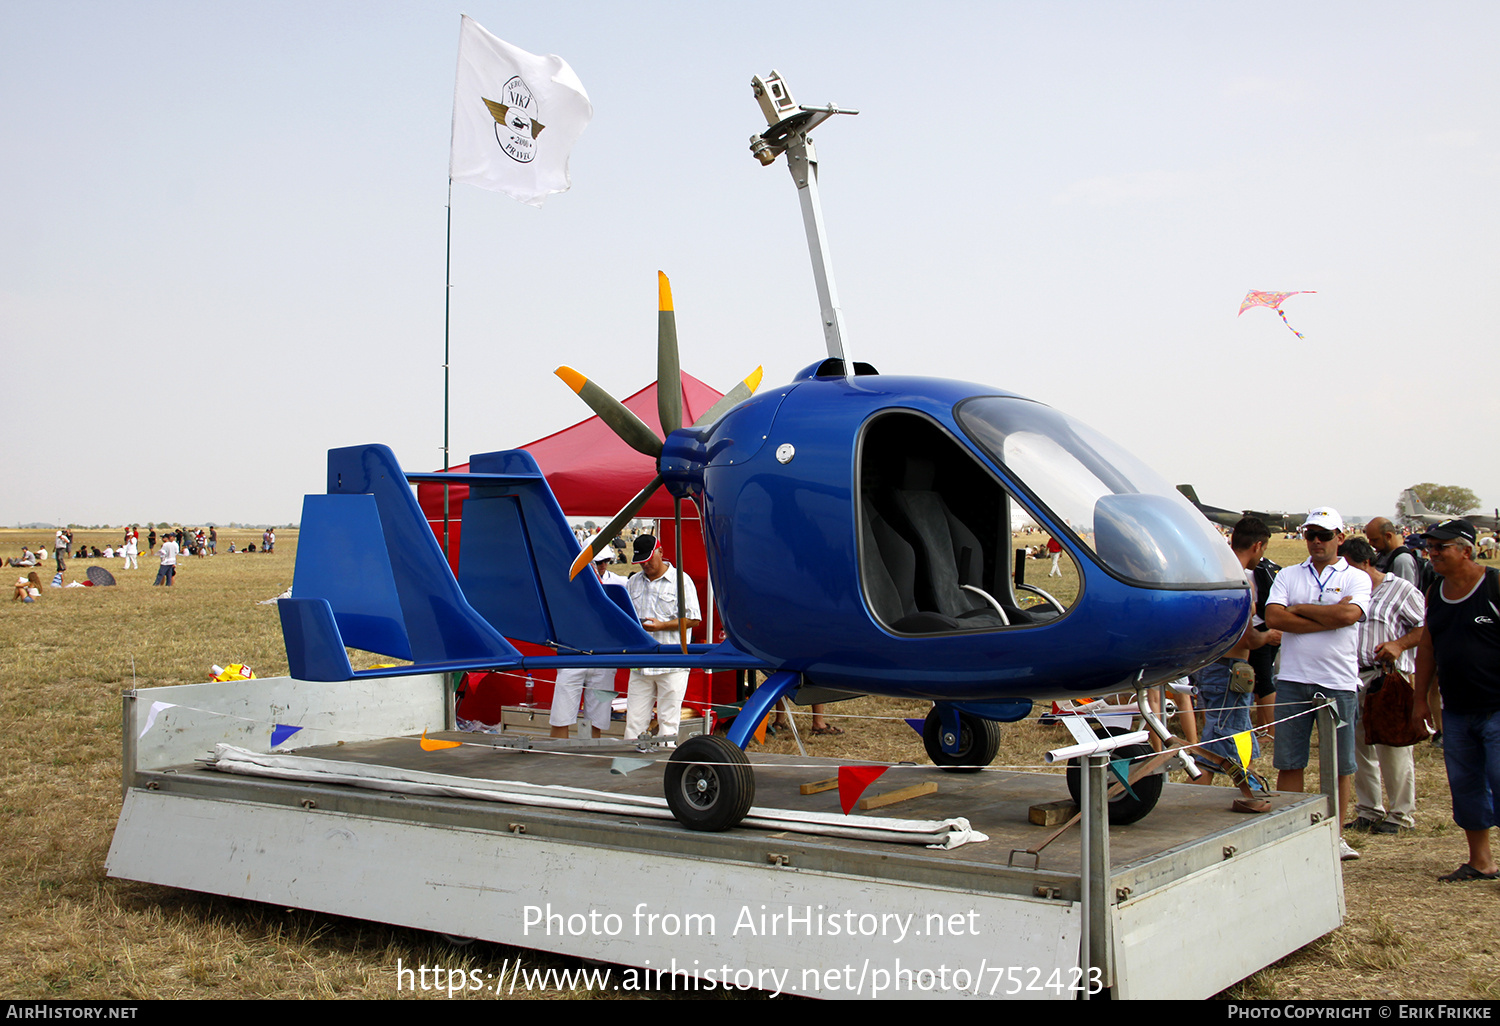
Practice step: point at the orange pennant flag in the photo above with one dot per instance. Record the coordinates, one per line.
(438, 746)
(760, 730)
(853, 780)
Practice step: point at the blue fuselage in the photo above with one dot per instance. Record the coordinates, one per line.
(784, 535)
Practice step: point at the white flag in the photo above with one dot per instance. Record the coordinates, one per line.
(515, 117)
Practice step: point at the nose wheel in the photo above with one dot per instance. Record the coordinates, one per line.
(709, 783)
(978, 742)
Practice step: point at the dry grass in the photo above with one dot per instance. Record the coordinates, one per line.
(71, 933)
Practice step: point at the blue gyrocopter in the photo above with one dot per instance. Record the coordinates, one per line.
(859, 535)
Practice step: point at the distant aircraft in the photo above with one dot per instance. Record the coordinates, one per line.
(1228, 517)
(1415, 511)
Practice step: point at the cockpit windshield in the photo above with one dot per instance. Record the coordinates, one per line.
(1139, 526)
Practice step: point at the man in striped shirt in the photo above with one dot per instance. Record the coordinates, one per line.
(1388, 634)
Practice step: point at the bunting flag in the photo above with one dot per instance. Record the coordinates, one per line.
(1274, 301)
(516, 117)
(853, 780)
(438, 746)
(1121, 770)
(760, 729)
(280, 732)
(1242, 743)
(156, 707)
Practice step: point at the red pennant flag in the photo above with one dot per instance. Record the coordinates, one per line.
(853, 780)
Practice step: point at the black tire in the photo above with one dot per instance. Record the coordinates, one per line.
(1123, 809)
(978, 742)
(709, 783)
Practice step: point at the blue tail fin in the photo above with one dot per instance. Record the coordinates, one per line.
(513, 565)
(371, 575)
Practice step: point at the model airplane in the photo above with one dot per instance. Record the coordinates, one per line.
(1415, 510)
(858, 530)
(1228, 517)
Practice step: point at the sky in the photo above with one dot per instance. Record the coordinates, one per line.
(222, 234)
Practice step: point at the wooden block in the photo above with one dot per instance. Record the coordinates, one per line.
(818, 786)
(1052, 813)
(901, 794)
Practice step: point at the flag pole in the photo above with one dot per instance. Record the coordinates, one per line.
(447, 302)
(448, 282)
(504, 90)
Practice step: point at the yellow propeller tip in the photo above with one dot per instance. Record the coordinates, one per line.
(572, 378)
(663, 293)
(583, 560)
(753, 381)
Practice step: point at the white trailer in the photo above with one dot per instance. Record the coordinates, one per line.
(552, 852)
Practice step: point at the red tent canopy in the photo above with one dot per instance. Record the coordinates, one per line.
(591, 471)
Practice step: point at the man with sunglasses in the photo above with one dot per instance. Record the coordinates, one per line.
(1461, 643)
(1316, 605)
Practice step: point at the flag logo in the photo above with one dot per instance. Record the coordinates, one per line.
(504, 99)
(516, 126)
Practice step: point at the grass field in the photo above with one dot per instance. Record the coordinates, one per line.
(71, 933)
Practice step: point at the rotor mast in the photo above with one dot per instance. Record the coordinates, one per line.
(788, 125)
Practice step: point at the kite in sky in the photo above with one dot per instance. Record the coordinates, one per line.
(1274, 301)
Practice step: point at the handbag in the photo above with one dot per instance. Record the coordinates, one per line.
(1387, 713)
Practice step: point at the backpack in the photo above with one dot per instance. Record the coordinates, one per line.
(1426, 575)
(1265, 572)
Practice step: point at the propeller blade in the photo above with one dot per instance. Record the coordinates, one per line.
(681, 605)
(613, 412)
(736, 395)
(599, 541)
(668, 367)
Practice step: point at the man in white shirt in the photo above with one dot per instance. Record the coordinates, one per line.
(653, 592)
(1317, 605)
(168, 556)
(595, 685)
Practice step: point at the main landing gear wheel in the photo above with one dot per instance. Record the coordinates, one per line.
(709, 783)
(1123, 808)
(978, 742)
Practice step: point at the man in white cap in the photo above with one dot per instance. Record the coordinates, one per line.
(596, 685)
(653, 592)
(1316, 605)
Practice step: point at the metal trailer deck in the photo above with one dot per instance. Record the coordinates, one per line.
(1185, 909)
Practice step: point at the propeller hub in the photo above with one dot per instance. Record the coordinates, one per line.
(683, 456)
